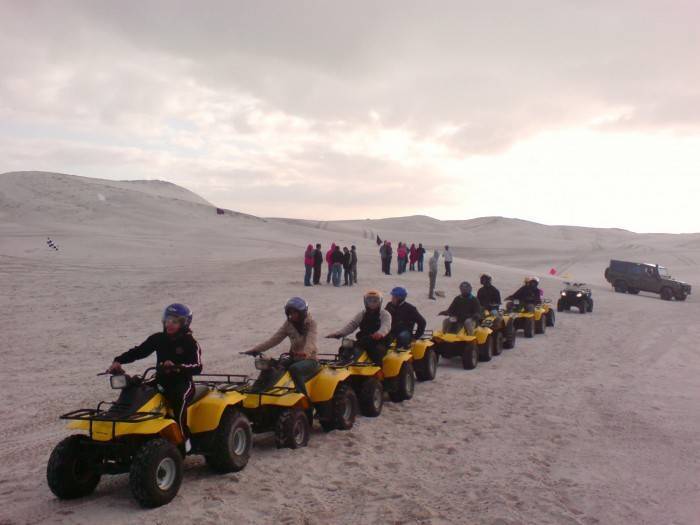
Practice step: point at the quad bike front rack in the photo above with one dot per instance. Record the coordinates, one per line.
(113, 414)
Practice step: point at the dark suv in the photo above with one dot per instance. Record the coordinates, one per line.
(629, 277)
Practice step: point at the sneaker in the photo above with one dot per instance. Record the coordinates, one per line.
(188, 446)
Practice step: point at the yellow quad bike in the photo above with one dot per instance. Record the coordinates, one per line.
(502, 326)
(138, 435)
(530, 322)
(397, 374)
(469, 348)
(425, 359)
(550, 316)
(365, 377)
(273, 404)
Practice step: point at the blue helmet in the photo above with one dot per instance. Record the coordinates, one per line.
(296, 304)
(179, 311)
(399, 292)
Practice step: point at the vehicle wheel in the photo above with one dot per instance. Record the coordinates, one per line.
(541, 325)
(497, 343)
(156, 473)
(486, 350)
(292, 429)
(344, 409)
(680, 296)
(551, 318)
(233, 440)
(621, 287)
(406, 386)
(371, 397)
(529, 327)
(426, 367)
(509, 338)
(583, 307)
(666, 293)
(590, 306)
(560, 306)
(70, 473)
(470, 356)
(633, 291)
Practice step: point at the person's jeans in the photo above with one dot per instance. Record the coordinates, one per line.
(432, 276)
(450, 327)
(403, 339)
(177, 393)
(420, 264)
(376, 350)
(448, 268)
(307, 275)
(412, 267)
(330, 273)
(317, 274)
(388, 265)
(301, 372)
(347, 275)
(336, 273)
(354, 273)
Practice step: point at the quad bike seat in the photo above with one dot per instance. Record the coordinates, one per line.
(199, 392)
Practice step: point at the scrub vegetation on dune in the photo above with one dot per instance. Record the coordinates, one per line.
(594, 422)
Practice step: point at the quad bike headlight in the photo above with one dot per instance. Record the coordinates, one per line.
(262, 364)
(579, 294)
(563, 294)
(347, 344)
(118, 381)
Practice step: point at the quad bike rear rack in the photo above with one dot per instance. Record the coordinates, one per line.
(114, 413)
(224, 382)
(335, 361)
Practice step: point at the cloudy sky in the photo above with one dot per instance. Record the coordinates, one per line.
(564, 112)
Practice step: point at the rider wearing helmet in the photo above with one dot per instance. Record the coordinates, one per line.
(404, 316)
(529, 294)
(488, 295)
(374, 326)
(465, 310)
(178, 357)
(301, 329)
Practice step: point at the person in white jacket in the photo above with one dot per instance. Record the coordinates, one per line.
(447, 255)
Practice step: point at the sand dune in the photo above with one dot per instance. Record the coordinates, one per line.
(595, 422)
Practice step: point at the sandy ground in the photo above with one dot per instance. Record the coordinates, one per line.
(594, 422)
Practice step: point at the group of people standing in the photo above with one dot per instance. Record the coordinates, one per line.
(341, 264)
(412, 257)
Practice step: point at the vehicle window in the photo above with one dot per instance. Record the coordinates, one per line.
(663, 272)
(636, 270)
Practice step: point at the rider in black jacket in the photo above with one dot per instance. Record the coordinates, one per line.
(465, 308)
(404, 316)
(529, 294)
(178, 358)
(488, 295)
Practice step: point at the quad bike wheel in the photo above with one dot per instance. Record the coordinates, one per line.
(621, 287)
(70, 473)
(633, 291)
(343, 408)
(156, 473)
(529, 328)
(470, 356)
(292, 429)
(681, 296)
(426, 368)
(509, 337)
(486, 350)
(551, 318)
(406, 384)
(371, 397)
(560, 306)
(583, 307)
(497, 343)
(590, 306)
(541, 325)
(233, 440)
(666, 293)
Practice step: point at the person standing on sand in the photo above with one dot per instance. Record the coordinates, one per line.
(353, 263)
(389, 253)
(420, 253)
(447, 254)
(412, 258)
(347, 266)
(382, 255)
(329, 262)
(432, 274)
(318, 264)
(401, 258)
(337, 259)
(308, 264)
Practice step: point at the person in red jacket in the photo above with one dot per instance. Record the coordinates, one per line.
(329, 262)
(412, 257)
(308, 264)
